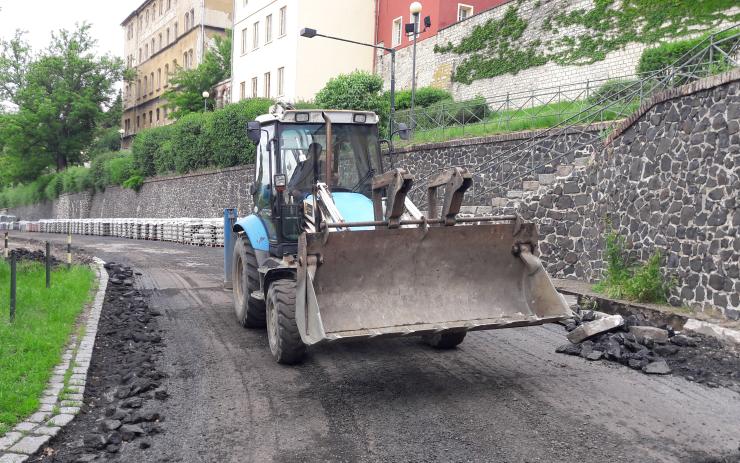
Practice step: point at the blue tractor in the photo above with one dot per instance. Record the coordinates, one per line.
(335, 250)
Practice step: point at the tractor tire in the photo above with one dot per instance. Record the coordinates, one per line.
(445, 340)
(250, 312)
(282, 332)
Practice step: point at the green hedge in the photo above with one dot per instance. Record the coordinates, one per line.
(425, 96)
(106, 169)
(665, 55)
(199, 140)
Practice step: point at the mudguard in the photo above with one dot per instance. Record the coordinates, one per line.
(255, 230)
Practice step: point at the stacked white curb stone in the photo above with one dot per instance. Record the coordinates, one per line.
(192, 231)
(58, 407)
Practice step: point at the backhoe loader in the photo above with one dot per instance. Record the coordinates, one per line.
(334, 249)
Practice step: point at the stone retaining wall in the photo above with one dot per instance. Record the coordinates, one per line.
(203, 194)
(668, 181)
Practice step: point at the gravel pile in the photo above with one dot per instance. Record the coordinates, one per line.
(635, 342)
(122, 400)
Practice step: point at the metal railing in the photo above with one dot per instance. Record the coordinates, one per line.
(579, 132)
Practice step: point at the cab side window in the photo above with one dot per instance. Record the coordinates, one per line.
(264, 191)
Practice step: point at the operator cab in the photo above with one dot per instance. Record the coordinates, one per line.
(293, 154)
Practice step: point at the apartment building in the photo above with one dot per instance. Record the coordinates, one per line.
(270, 58)
(160, 37)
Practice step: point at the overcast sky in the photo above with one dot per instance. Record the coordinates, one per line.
(40, 17)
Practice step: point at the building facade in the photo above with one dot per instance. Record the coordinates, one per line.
(270, 59)
(162, 36)
(392, 15)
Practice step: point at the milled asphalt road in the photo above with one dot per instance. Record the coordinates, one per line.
(502, 396)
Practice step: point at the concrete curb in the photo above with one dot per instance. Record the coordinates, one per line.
(60, 402)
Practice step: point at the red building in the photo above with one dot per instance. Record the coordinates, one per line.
(392, 15)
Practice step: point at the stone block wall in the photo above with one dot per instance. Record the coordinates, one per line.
(436, 69)
(203, 194)
(496, 158)
(669, 181)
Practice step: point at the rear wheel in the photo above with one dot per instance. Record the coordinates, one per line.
(446, 339)
(249, 311)
(282, 331)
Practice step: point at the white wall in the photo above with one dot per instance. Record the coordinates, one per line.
(308, 63)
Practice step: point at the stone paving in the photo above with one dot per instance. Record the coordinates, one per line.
(60, 403)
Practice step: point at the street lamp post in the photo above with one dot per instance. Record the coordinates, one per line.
(415, 10)
(205, 100)
(311, 33)
(121, 132)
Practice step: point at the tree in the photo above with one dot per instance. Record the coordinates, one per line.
(188, 85)
(359, 91)
(15, 57)
(60, 103)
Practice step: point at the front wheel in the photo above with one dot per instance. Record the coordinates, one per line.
(282, 331)
(250, 312)
(445, 340)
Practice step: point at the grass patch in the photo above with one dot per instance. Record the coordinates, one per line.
(31, 347)
(623, 279)
(515, 120)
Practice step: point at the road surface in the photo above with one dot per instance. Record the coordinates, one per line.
(501, 396)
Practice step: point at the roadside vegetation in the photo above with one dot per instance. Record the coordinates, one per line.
(626, 279)
(32, 346)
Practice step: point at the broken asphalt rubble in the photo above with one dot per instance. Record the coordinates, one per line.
(633, 341)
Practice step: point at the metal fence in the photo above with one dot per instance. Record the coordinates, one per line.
(716, 53)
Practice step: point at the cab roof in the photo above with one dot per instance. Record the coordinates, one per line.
(316, 116)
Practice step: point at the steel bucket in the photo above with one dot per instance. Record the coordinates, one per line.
(413, 281)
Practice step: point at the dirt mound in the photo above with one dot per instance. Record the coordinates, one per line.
(23, 254)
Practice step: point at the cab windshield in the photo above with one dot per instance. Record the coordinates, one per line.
(303, 154)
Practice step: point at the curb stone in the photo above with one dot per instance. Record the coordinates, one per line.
(56, 410)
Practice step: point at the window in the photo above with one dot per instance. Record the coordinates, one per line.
(268, 28)
(138, 89)
(397, 33)
(175, 30)
(146, 51)
(244, 40)
(151, 119)
(140, 56)
(169, 5)
(138, 122)
(187, 21)
(159, 78)
(166, 75)
(191, 62)
(267, 85)
(154, 49)
(281, 82)
(242, 90)
(168, 36)
(282, 25)
(161, 7)
(157, 114)
(151, 90)
(256, 35)
(146, 87)
(147, 17)
(160, 41)
(185, 60)
(254, 87)
(154, 11)
(464, 11)
(192, 17)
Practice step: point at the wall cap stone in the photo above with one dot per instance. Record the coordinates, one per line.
(706, 83)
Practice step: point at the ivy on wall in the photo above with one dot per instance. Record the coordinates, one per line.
(496, 47)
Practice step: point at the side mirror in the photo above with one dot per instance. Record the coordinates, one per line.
(403, 131)
(254, 131)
